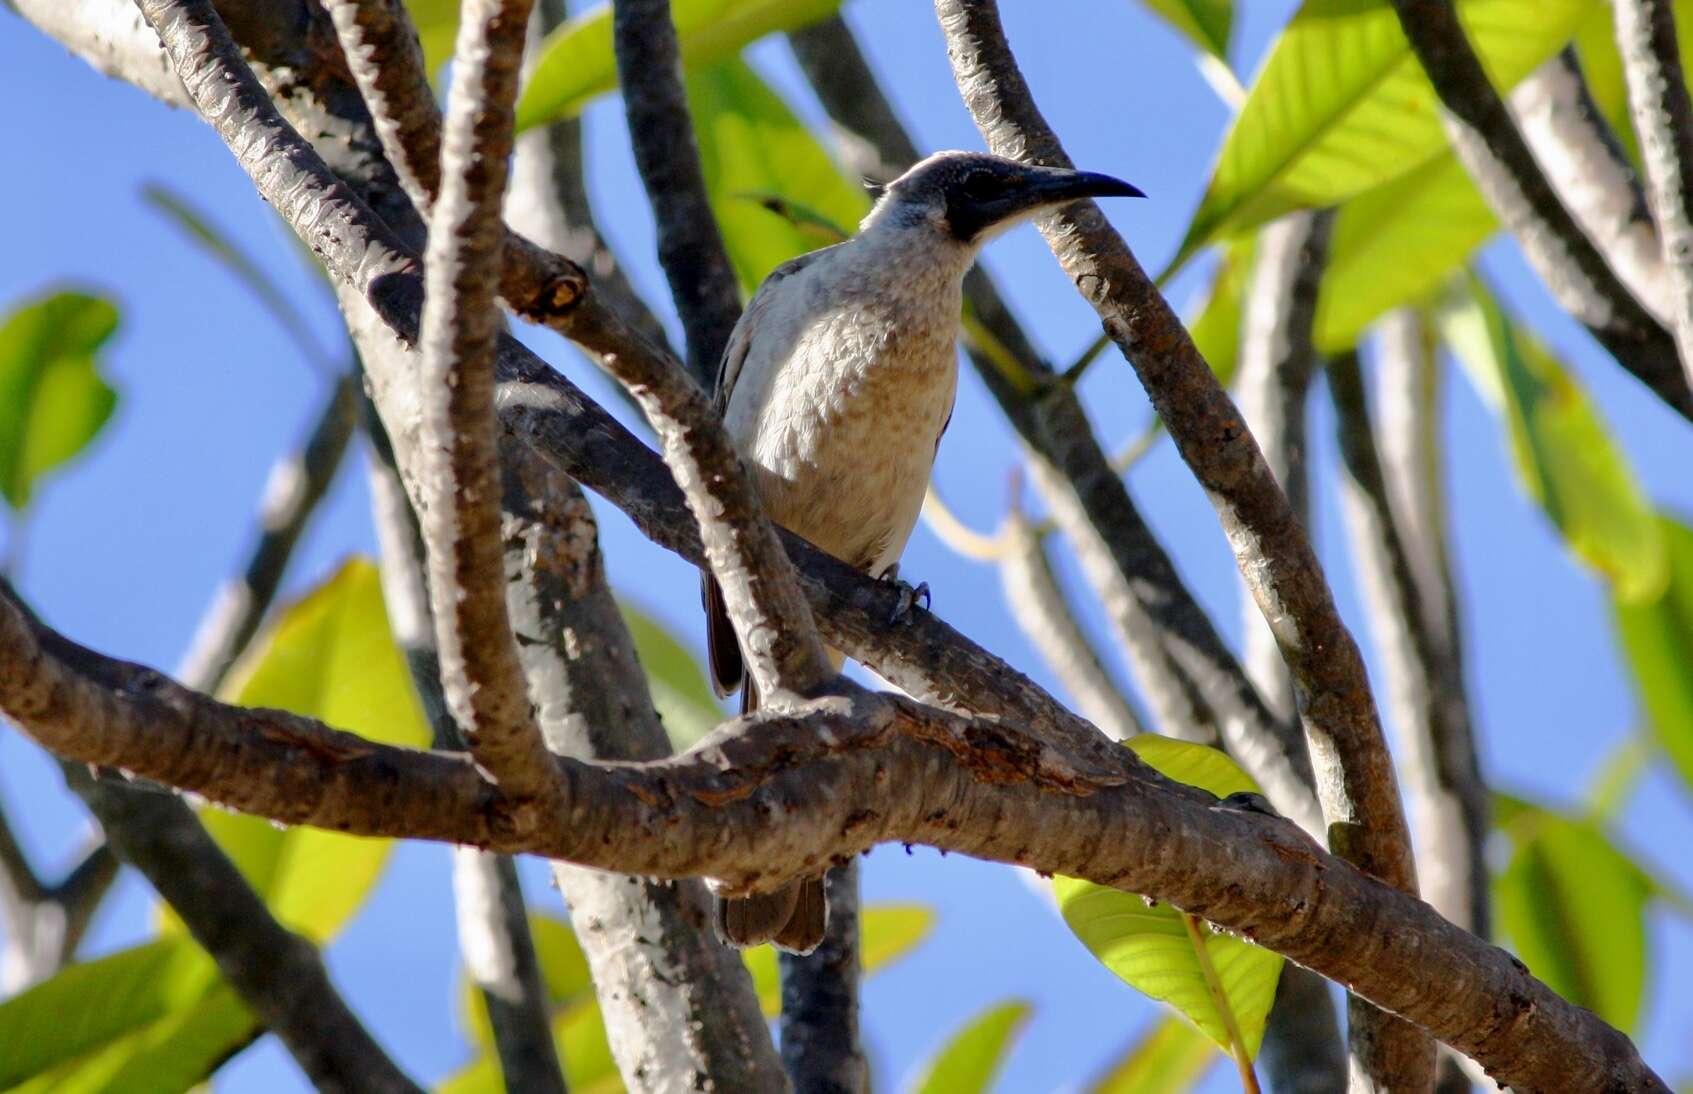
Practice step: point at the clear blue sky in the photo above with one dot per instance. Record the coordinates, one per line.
(126, 549)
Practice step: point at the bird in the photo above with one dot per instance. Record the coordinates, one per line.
(836, 386)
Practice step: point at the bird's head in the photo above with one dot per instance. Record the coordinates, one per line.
(971, 197)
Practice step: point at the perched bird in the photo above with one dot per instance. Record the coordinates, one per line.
(836, 386)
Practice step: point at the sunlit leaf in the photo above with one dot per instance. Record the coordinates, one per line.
(1149, 945)
(886, 933)
(1563, 451)
(332, 657)
(970, 1058)
(564, 974)
(91, 1005)
(1169, 1058)
(1217, 329)
(577, 64)
(752, 144)
(683, 698)
(1398, 244)
(437, 24)
(1574, 909)
(1341, 105)
(53, 399)
(1657, 635)
(1206, 23)
(579, 1033)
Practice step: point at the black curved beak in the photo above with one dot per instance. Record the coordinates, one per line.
(1054, 186)
(1026, 193)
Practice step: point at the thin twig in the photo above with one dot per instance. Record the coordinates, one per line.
(460, 514)
(1355, 777)
(819, 1024)
(1492, 148)
(1663, 120)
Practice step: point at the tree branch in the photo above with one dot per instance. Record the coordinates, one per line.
(298, 481)
(1592, 174)
(1663, 120)
(46, 923)
(661, 132)
(1493, 150)
(780, 794)
(1355, 778)
(458, 458)
(820, 1035)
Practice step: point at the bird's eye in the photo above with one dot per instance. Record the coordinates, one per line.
(979, 185)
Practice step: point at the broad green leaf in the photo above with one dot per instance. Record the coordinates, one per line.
(684, 700)
(1148, 944)
(886, 932)
(1167, 1059)
(90, 1005)
(1574, 909)
(1398, 244)
(1206, 23)
(577, 64)
(1657, 635)
(1563, 451)
(1217, 330)
(1341, 106)
(52, 398)
(752, 147)
(437, 23)
(330, 656)
(564, 971)
(176, 1053)
(970, 1059)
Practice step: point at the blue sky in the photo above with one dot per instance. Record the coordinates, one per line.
(126, 548)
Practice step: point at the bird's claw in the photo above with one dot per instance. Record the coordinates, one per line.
(909, 596)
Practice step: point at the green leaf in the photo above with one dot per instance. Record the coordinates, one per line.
(970, 1059)
(90, 1005)
(437, 23)
(752, 144)
(1657, 636)
(1206, 23)
(887, 932)
(579, 1033)
(577, 64)
(1398, 244)
(1217, 331)
(330, 656)
(1149, 945)
(53, 399)
(1342, 106)
(1574, 908)
(685, 702)
(1169, 1058)
(1563, 451)
(564, 972)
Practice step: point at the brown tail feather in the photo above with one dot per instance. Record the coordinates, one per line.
(804, 929)
(723, 649)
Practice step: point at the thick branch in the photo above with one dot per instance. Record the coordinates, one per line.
(298, 482)
(820, 1038)
(1492, 148)
(1196, 687)
(1663, 120)
(1592, 174)
(690, 247)
(782, 794)
(1355, 778)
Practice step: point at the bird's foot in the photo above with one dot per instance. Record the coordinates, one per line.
(909, 596)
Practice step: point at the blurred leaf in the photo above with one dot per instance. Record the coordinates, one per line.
(1206, 23)
(1574, 908)
(887, 932)
(52, 398)
(90, 1005)
(751, 143)
(193, 223)
(579, 1033)
(1217, 330)
(1398, 244)
(680, 693)
(1563, 451)
(1168, 1058)
(1341, 106)
(437, 28)
(1657, 636)
(331, 657)
(564, 971)
(577, 63)
(1147, 944)
(970, 1059)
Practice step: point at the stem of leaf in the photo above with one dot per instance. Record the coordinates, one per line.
(1237, 1044)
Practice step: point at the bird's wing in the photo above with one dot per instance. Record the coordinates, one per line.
(723, 649)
